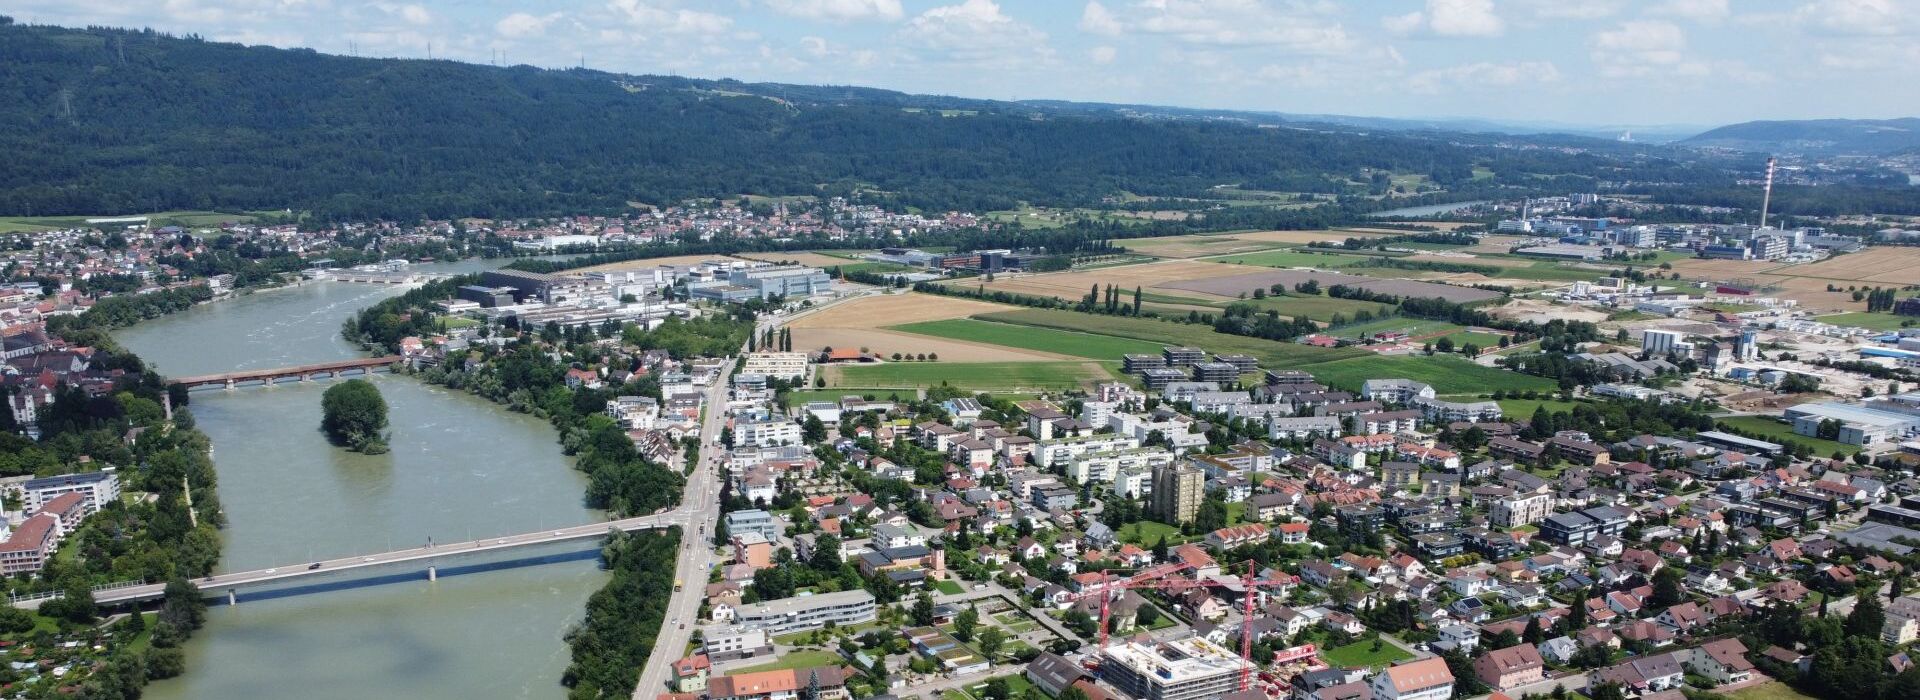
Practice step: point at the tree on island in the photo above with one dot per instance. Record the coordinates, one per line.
(353, 414)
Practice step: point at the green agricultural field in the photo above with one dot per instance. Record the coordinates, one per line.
(1318, 308)
(1290, 258)
(972, 376)
(1447, 374)
(1874, 321)
(1361, 653)
(1271, 354)
(1099, 347)
(1775, 431)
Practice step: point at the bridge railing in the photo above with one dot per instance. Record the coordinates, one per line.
(17, 598)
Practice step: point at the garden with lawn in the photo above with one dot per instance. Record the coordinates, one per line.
(1369, 653)
(805, 658)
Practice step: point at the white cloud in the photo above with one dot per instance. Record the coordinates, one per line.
(1403, 25)
(1700, 10)
(1484, 74)
(650, 18)
(974, 27)
(415, 14)
(1857, 17)
(839, 10)
(520, 24)
(1450, 18)
(1464, 18)
(1303, 27)
(1102, 54)
(1565, 9)
(1639, 48)
(1097, 19)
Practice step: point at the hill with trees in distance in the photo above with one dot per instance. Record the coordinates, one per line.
(116, 121)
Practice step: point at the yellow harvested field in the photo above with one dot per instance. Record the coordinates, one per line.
(1074, 285)
(1304, 237)
(801, 258)
(1886, 265)
(646, 263)
(885, 310)
(860, 323)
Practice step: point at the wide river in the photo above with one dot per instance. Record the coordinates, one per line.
(460, 468)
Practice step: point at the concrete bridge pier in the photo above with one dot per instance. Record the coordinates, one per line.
(233, 597)
(433, 573)
(231, 384)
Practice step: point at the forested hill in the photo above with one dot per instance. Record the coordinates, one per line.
(1817, 136)
(102, 121)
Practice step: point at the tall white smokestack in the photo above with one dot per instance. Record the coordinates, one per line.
(1766, 199)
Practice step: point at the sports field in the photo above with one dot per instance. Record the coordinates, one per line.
(974, 376)
(1099, 347)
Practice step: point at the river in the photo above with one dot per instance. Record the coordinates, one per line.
(460, 467)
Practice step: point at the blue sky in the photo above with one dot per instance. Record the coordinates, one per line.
(1595, 62)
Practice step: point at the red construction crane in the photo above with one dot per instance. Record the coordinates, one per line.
(1157, 578)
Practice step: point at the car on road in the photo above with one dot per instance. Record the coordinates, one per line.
(367, 559)
(557, 533)
(500, 541)
(272, 571)
(313, 566)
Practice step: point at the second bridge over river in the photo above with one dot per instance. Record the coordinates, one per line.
(232, 583)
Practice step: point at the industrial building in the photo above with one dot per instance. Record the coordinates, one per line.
(1860, 424)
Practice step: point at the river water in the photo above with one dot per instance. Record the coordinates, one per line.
(460, 468)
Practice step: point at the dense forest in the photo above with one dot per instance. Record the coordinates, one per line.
(124, 121)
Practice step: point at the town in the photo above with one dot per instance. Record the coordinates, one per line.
(1547, 508)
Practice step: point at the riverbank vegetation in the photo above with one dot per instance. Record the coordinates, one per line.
(527, 369)
(623, 619)
(353, 414)
(125, 310)
(165, 528)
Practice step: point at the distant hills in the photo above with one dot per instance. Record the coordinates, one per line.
(105, 121)
(1869, 137)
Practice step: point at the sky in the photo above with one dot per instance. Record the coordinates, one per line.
(1572, 62)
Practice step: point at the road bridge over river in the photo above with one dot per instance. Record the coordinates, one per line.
(363, 365)
(232, 583)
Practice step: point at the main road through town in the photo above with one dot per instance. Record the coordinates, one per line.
(701, 503)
